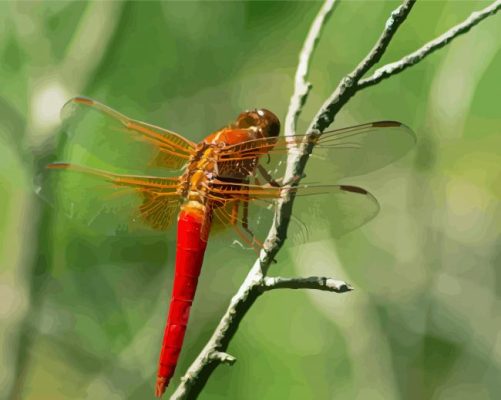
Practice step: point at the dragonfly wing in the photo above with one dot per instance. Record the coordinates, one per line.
(115, 174)
(98, 135)
(249, 222)
(320, 211)
(340, 153)
(337, 212)
(107, 202)
(365, 148)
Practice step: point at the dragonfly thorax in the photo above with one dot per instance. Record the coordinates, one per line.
(198, 174)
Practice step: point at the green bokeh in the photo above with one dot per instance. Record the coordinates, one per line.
(82, 314)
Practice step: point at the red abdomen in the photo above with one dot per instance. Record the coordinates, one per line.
(190, 251)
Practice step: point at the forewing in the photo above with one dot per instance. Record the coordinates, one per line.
(337, 154)
(364, 148)
(98, 136)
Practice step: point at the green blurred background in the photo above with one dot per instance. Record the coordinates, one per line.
(81, 315)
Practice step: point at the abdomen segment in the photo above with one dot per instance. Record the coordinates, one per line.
(191, 244)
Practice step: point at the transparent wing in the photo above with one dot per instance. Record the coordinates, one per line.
(320, 210)
(115, 171)
(96, 135)
(107, 202)
(347, 152)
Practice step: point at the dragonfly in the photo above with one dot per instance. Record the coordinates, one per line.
(142, 176)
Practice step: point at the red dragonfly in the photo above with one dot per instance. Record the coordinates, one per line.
(143, 175)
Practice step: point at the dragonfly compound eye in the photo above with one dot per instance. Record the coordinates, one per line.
(265, 120)
(269, 122)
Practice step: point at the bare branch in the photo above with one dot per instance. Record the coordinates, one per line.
(199, 372)
(415, 57)
(301, 86)
(311, 282)
(256, 282)
(348, 85)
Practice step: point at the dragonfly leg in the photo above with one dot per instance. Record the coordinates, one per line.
(245, 221)
(245, 217)
(267, 176)
(257, 181)
(294, 179)
(234, 212)
(272, 181)
(245, 226)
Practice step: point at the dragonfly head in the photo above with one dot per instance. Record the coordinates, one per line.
(261, 118)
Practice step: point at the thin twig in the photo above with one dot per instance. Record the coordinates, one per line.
(348, 85)
(311, 282)
(301, 86)
(199, 372)
(441, 41)
(256, 282)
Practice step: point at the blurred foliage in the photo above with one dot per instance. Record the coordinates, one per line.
(82, 314)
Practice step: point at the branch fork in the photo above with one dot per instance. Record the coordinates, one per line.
(257, 282)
